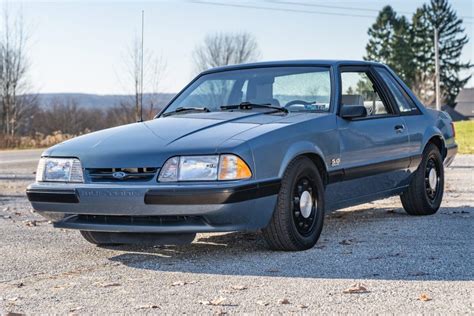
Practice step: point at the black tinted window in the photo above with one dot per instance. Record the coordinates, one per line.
(403, 101)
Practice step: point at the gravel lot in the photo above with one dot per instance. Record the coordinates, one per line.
(397, 258)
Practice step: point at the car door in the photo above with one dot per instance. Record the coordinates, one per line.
(409, 112)
(374, 156)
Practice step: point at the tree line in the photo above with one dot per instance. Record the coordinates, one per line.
(406, 45)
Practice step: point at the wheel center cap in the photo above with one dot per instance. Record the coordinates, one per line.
(432, 179)
(306, 204)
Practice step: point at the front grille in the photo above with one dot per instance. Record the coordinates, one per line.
(134, 220)
(121, 174)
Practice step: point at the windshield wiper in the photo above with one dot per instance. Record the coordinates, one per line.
(186, 109)
(250, 105)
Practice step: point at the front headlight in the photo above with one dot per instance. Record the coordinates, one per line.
(59, 170)
(204, 168)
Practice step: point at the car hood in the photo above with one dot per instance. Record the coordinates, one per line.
(150, 143)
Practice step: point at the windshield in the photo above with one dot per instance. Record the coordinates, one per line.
(294, 88)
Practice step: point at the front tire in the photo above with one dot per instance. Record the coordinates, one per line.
(424, 195)
(143, 239)
(299, 214)
(98, 238)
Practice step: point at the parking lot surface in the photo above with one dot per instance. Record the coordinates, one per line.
(372, 258)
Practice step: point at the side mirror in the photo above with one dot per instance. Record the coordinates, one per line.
(350, 112)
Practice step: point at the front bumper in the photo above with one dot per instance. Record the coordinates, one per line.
(179, 208)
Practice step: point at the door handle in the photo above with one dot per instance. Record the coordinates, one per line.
(399, 128)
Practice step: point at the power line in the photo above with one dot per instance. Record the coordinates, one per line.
(266, 8)
(306, 4)
(248, 6)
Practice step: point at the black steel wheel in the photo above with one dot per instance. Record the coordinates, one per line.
(304, 205)
(298, 217)
(425, 193)
(432, 181)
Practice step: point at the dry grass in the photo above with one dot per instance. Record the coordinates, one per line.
(37, 141)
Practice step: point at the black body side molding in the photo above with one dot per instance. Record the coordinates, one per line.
(187, 196)
(52, 196)
(373, 169)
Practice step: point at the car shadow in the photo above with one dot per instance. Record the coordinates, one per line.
(366, 243)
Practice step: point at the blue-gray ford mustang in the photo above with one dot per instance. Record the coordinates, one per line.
(265, 146)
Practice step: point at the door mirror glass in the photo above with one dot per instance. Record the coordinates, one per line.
(350, 112)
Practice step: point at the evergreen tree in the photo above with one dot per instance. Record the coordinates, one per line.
(390, 43)
(452, 38)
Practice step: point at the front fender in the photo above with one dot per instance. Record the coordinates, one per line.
(298, 149)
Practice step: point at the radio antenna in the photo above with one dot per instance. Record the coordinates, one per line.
(141, 68)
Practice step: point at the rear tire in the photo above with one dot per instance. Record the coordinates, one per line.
(298, 217)
(425, 193)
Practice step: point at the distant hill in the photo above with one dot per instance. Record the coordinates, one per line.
(96, 100)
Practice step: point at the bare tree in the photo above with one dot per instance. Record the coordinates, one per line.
(154, 68)
(16, 105)
(221, 49)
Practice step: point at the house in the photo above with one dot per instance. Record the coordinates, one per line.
(465, 103)
(464, 109)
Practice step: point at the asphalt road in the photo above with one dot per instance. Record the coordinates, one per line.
(406, 264)
(19, 164)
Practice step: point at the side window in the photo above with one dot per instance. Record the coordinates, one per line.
(404, 103)
(359, 89)
(304, 91)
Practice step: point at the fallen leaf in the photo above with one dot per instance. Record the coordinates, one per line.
(346, 242)
(284, 301)
(218, 301)
(357, 288)
(214, 302)
(424, 297)
(149, 307)
(302, 306)
(110, 284)
(180, 283)
(238, 287)
(30, 223)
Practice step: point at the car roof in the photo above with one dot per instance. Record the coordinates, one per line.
(289, 63)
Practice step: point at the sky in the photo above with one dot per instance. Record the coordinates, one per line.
(81, 46)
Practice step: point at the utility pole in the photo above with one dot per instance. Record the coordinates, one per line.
(141, 68)
(437, 84)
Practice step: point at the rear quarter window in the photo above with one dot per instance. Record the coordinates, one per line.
(402, 100)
